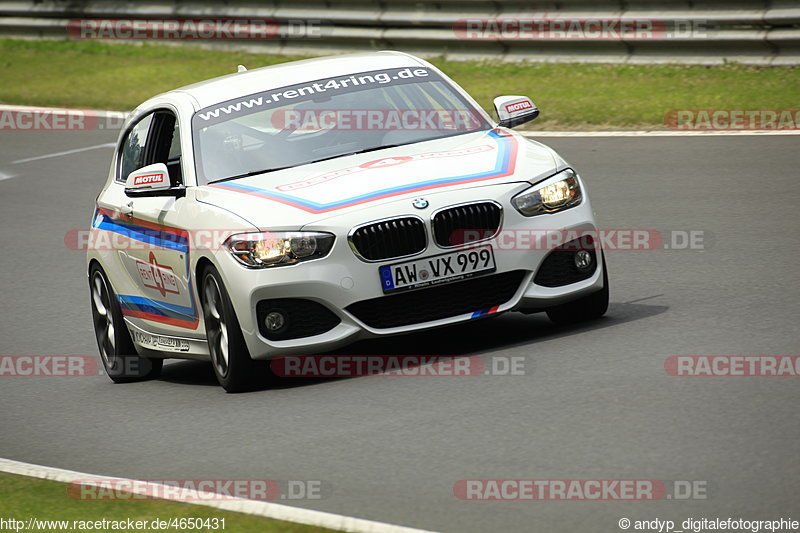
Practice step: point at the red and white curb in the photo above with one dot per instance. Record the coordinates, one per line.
(118, 115)
(238, 505)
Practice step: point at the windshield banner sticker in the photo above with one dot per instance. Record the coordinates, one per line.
(306, 91)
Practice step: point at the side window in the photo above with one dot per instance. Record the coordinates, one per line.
(164, 145)
(133, 149)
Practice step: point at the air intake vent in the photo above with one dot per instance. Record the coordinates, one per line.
(466, 223)
(435, 303)
(396, 237)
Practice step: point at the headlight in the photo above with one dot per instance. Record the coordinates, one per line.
(557, 196)
(270, 249)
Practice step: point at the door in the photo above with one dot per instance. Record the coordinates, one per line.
(151, 255)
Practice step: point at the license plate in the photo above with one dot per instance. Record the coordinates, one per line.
(452, 266)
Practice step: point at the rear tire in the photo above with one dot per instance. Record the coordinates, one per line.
(117, 351)
(589, 307)
(236, 371)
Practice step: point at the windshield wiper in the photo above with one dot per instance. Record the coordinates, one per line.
(364, 151)
(255, 172)
(251, 173)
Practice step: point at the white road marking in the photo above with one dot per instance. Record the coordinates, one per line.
(4, 176)
(657, 133)
(238, 505)
(66, 152)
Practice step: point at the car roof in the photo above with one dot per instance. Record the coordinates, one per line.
(240, 84)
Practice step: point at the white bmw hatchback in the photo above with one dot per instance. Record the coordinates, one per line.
(296, 208)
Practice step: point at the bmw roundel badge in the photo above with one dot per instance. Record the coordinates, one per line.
(420, 203)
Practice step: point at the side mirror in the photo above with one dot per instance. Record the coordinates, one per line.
(515, 110)
(152, 180)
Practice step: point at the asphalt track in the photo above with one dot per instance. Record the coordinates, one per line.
(595, 401)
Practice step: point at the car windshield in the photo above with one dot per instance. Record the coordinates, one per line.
(328, 118)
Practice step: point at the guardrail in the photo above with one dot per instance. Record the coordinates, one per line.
(669, 31)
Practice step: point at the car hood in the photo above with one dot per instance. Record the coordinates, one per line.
(294, 197)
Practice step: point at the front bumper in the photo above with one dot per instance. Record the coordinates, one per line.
(341, 279)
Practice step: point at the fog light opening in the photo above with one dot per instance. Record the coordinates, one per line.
(275, 321)
(583, 260)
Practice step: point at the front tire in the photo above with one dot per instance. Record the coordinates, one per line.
(117, 351)
(236, 371)
(589, 307)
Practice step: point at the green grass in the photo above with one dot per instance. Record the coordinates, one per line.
(121, 76)
(22, 498)
(588, 96)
